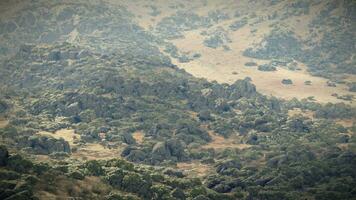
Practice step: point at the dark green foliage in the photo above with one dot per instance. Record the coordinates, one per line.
(44, 144)
(205, 115)
(238, 24)
(136, 183)
(128, 139)
(116, 81)
(287, 82)
(275, 42)
(77, 175)
(352, 87)
(266, 67)
(250, 64)
(333, 111)
(3, 106)
(19, 164)
(93, 168)
(178, 194)
(4, 155)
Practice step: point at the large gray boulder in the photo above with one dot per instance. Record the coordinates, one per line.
(45, 144)
(160, 151)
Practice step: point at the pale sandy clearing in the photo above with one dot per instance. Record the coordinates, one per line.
(3, 123)
(95, 151)
(67, 134)
(138, 136)
(195, 168)
(220, 143)
(304, 113)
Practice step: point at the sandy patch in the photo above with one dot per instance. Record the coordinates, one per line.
(96, 151)
(138, 136)
(3, 123)
(220, 143)
(304, 113)
(67, 134)
(195, 168)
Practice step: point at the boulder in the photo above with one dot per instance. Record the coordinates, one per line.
(136, 155)
(228, 164)
(176, 149)
(47, 145)
(160, 151)
(241, 88)
(127, 138)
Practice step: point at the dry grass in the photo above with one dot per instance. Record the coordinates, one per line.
(95, 151)
(298, 111)
(195, 168)
(70, 189)
(3, 123)
(67, 134)
(346, 122)
(88, 151)
(138, 136)
(216, 64)
(220, 143)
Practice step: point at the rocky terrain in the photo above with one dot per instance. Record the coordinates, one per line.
(202, 100)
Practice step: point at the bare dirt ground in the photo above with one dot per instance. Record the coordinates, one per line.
(3, 123)
(220, 143)
(195, 168)
(138, 136)
(87, 151)
(298, 111)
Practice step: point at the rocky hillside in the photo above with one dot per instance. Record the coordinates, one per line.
(95, 102)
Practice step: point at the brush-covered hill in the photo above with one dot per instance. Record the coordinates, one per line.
(94, 104)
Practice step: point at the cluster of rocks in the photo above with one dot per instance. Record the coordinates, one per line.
(170, 150)
(217, 38)
(41, 144)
